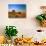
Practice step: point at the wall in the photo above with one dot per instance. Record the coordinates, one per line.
(26, 26)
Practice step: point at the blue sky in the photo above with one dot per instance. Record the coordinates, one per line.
(17, 7)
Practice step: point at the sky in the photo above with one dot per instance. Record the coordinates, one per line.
(17, 7)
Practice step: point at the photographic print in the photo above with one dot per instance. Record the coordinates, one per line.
(16, 10)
